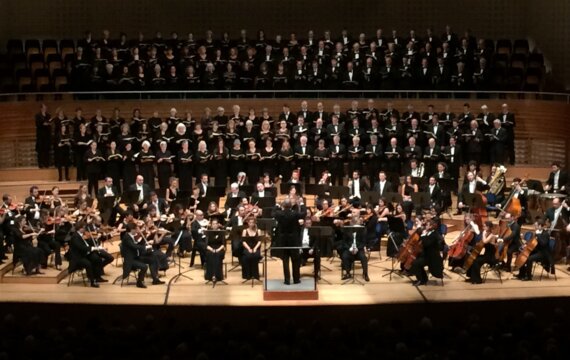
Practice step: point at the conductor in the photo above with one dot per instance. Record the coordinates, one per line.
(288, 231)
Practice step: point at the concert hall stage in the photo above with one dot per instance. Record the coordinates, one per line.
(52, 288)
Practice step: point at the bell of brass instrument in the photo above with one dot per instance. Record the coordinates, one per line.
(497, 183)
(421, 169)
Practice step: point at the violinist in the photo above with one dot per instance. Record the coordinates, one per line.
(132, 251)
(155, 236)
(25, 243)
(430, 255)
(370, 219)
(513, 241)
(159, 204)
(382, 212)
(353, 248)
(95, 237)
(32, 205)
(64, 225)
(487, 257)
(46, 240)
(82, 256)
(82, 196)
(197, 228)
(52, 201)
(541, 253)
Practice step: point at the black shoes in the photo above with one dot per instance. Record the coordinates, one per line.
(346, 276)
(101, 280)
(366, 278)
(141, 285)
(94, 284)
(286, 282)
(419, 282)
(157, 282)
(297, 282)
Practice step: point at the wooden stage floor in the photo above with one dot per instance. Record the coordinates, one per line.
(380, 290)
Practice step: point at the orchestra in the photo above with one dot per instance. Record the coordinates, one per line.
(165, 180)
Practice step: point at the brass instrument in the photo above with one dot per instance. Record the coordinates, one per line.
(497, 182)
(421, 169)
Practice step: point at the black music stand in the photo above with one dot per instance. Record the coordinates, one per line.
(421, 198)
(219, 191)
(180, 272)
(232, 202)
(393, 197)
(395, 239)
(338, 192)
(472, 200)
(131, 197)
(314, 189)
(215, 234)
(253, 280)
(266, 202)
(351, 231)
(268, 225)
(247, 189)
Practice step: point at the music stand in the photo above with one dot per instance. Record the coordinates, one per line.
(370, 197)
(266, 202)
(247, 189)
(232, 202)
(421, 198)
(180, 272)
(314, 189)
(214, 235)
(472, 200)
(183, 202)
(338, 192)
(350, 231)
(397, 228)
(219, 191)
(131, 197)
(393, 197)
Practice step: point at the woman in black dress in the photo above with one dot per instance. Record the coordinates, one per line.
(114, 165)
(82, 141)
(94, 161)
(252, 164)
(231, 131)
(251, 244)
(215, 252)
(320, 158)
(237, 158)
(146, 160)
(171, 191)
(61, 151)
(23, 239)
(285, 160)
(268, 158)
(129, 167)
(488, 257)
(202, 157)
(220, 156)
(406, 190)
(163, 165)
(185, 156)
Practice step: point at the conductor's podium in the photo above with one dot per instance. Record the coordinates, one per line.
(275, 289)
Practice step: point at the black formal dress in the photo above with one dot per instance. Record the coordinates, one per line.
(429, 256)
(250, 260)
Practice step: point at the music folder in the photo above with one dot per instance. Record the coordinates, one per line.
(266, 202)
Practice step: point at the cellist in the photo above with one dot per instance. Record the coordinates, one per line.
(470, 234)
(517, 192)
(540, 253)
(488, 257)
(430, 255)
(513, 241)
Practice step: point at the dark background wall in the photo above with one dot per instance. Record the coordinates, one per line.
(546, 22)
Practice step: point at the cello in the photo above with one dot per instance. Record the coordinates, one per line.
(410, 250)
(525, 252)
(458, 248)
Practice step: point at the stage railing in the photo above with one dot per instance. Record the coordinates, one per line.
(265, 94)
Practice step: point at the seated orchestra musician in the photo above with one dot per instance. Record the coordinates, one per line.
(215, 252)
(83, 254)
(487, 257)
(251, 253)
(429, 256)
(310, 247)
(353, 247)
(541, 253)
